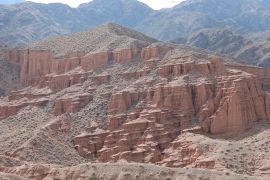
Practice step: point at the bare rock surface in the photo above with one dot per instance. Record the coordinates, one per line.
(9, 73)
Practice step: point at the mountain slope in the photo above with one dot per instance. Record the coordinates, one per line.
(125, 12)
(167, 24)
(251, 15)
(27, 22)
(113, 95)
(20, 23)
(228, 43)
(103, 38)
(242, 16)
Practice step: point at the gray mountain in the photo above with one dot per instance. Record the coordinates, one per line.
(227, 43)
(240, 16)
(253, 15)
(28, 21)
(169, 24)
(125, 12)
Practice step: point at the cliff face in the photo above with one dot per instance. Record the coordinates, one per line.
(35, 64)
(142, 104)
(200, 94)
(146, 121)
(9, 73)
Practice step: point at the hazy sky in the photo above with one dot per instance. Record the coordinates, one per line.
(155, 4)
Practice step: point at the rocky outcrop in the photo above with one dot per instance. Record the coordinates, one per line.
(186, 154)
(36, 64)
(141, 104)
(11, 108)
(61, 81)
(163, 96)
(142, 123)
(41, 68)
(71, 102)
(9, 73)
(154, 52)
(245, 105)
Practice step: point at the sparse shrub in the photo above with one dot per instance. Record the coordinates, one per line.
(204, 178)
(93, 177)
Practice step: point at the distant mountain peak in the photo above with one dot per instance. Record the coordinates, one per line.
(120, 30)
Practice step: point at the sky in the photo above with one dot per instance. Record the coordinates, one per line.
(155, 4)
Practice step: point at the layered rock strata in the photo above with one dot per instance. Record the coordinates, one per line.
(136, 103)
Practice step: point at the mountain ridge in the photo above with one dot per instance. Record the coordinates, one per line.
(223, 41)
(109, 36)
(57, 18)
(122, 12)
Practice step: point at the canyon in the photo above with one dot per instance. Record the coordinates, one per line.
(110, 96)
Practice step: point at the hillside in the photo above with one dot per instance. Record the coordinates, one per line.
(125, 12)
(103, 38)
(166, 24)
(28, 21)
(240, 16)
(113, 96)
(254, 51)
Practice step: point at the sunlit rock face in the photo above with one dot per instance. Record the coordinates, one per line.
(144, 102)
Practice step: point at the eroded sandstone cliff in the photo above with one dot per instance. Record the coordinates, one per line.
(140, 103)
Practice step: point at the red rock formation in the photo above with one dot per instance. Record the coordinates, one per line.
(62, 81)
(229, 104)
(71, 102)
(164, 96)
(154, 52)
(245, 105)
(190, 99)
(11, 108)
(37, 63)
(17, 95)
(53, 73)
(94, 61)
(14, 55)
(135, 104)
